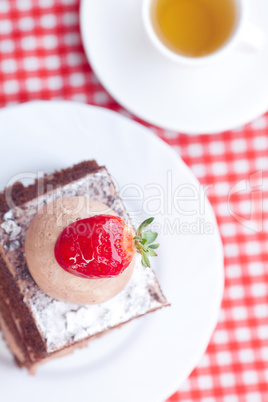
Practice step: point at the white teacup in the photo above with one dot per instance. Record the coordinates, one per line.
(244, 32)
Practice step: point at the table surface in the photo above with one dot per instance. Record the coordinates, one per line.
(41, 57)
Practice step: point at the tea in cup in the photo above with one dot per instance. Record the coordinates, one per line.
(197, 31)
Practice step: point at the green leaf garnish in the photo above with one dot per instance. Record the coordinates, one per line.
(150, 236)
(151, 252)
(154, 246)
(143, 225)
(137, 238)
(143, 242)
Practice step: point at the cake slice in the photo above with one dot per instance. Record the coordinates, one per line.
(37, 327)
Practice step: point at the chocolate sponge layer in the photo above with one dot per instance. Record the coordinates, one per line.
(21, 194)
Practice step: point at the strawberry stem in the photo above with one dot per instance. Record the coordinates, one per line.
(143, 242)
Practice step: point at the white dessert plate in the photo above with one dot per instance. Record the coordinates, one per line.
(217, 97)
(147, 359)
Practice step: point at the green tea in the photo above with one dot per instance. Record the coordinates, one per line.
(194, 27)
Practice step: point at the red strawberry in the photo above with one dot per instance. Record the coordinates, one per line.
(102, 246)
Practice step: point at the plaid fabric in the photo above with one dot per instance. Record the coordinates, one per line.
(41, 57)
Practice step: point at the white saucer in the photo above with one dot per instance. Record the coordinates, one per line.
(208, 99)
(147, 359)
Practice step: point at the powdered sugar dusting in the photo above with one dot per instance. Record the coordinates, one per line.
(73, 322)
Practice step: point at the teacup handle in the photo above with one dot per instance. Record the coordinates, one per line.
(252, 36)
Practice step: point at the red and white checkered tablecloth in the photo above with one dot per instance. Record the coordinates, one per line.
(41, 57)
